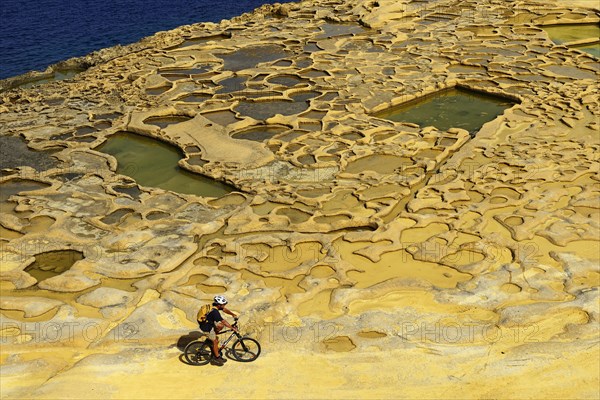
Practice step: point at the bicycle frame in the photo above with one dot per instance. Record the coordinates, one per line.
(221, 347)
(233, 334)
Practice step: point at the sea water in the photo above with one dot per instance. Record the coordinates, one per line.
(36, 34)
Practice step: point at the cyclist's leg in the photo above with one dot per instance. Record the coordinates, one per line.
(218, 328)
(212, 335)
(216, 348)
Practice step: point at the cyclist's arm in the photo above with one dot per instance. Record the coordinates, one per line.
(227, 324)
(227, 311)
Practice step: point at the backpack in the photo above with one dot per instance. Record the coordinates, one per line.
(203, 312)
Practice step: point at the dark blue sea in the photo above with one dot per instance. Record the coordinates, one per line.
(38, 33)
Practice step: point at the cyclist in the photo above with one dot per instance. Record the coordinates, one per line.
(214, 323)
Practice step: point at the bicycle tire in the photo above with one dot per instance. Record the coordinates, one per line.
(245, 349)
(198, 353)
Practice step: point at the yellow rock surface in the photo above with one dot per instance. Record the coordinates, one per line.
(371, 258)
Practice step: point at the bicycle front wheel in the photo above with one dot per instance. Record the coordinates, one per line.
(245, 349)
(198, 353)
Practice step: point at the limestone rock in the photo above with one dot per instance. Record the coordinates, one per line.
(69, 281)
(31, 306)
(105, 297)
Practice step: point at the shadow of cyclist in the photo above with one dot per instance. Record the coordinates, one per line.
(187, 339)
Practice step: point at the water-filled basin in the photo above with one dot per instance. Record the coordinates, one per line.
(250, 57)
(261, 110)
(451, 108)
(154, 163)
(566, 33)
(53, 263)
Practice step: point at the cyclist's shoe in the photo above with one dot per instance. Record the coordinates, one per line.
(222, 359)
(216, 361)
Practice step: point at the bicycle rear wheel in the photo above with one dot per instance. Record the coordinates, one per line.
(245, 349)
(198, 353)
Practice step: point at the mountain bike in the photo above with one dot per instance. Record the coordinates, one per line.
(243, 349)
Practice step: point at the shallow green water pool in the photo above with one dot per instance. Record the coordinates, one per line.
(154, 163)
(452, 108)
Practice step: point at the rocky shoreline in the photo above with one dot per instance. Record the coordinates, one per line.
(350, 241)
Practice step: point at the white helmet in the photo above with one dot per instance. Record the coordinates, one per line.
(220, 300)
